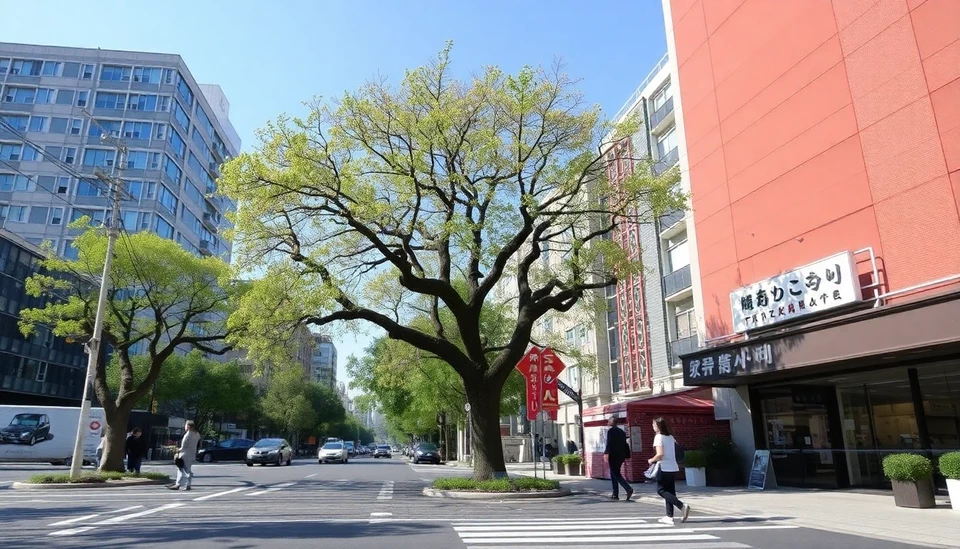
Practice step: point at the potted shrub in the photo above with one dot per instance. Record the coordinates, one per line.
(911, 476)
(950, 469)
(695, 468)
(572, 463)
(723, 462)
(557, 464)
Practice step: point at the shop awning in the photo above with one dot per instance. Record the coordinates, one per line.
(688, 400)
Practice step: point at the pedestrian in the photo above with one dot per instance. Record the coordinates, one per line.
(616, 452)
(100, 447)
(135, 451)
(186, 456)
(571, 447)
(666, 447)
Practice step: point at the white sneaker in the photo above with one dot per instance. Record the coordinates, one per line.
(666, 520)
(686, 512)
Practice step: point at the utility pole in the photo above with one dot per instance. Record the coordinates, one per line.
(92, 347)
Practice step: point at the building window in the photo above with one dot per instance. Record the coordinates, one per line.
(11, 182)
(138, 160)
(52, 68)
(168, 75)
(107, 100)
(111, 126)
(171, 169)
(4, 66)
(160, 132)
(662, 97)
(134, 188)
(163, 228)
(76, 126)
(69, 251)
(15, 214)
(183, 89)
(678, 252)
(82, 98)
(10, 151)
(685, 319)
(87, 188)
(86, 72)
(18, 121)
(26, 67)
(56, 216)
(148, 75)
(38, 124)
(667, 142)
(179, 146)
(167, 199)
(181, 116)
(140, 102)
(63, 183)
(151, 190)
(115, 73)
(137, 130)
(193, 193)
(69, 155)
(164, 103)
(20, 95)
(99, 157)
(46, 96)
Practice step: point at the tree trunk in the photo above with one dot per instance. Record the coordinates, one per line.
(486, 445)
(114, 451)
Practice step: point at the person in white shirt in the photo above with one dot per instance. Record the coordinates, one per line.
(666, 448)
(188, 453)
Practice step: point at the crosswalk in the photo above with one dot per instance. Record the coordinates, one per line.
(607, 532)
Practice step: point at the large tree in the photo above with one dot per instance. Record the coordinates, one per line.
(162, 298)
(376, 206)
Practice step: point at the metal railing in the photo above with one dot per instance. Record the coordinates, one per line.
(670, 219)
(666, 161)
(639, 91)
(660, 114)
(683, 346)
(677, 281)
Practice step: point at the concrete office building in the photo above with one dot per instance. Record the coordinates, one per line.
(823, 147)
(324, 361)
(177, 131)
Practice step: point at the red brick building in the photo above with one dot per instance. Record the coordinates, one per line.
(820, 129)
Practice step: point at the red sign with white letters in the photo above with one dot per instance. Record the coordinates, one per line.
(529, 366)
(550, 368)
(540, 368)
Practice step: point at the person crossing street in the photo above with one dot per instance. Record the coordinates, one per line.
(186, 456)
(616, 452)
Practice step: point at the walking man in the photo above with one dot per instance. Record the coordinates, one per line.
(616, 452)
(135, 451)
(186, 456)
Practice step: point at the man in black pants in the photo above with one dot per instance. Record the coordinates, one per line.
(616, 452)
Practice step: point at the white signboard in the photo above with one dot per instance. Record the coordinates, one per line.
(821, 286)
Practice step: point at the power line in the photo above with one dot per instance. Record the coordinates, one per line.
(51, 191)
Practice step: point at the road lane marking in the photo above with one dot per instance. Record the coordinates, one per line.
(610, 539)
(311, 476)
(78, 519)
(256, 493)
(218, 494)
(682, 545)
(381, 514)
(124, 518)
(757, 527)
(71, 532)
(387, 491)
(125, 509)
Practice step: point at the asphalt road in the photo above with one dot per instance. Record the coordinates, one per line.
(367, 503)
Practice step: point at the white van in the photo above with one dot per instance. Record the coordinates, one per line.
(47, 433)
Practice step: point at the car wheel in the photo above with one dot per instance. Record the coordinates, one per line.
(319, 462)
(207, 458)
(249, 464)
(289, 460)
(33, 440)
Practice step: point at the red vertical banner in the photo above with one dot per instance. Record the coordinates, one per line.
(550, 367)
(529, 366)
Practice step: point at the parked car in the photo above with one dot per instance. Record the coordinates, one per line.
(270, 450)
(350, 449)
(426, 452)
(26, 429)
(332, 451)
(227, 450)
(382, 451)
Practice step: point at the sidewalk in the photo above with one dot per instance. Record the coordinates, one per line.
(861, 513)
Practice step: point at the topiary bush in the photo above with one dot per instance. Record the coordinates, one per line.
(950, 465)
(694, 459)
(573, 459)
(907, 467)
(720, 453)
(522, 484)
(93, 478)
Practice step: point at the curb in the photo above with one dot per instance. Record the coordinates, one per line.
(430, 492)
(89, 485)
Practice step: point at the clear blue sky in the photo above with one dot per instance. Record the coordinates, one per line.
(269, 56)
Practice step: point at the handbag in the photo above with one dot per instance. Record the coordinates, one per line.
(652, 471)
(178, 461)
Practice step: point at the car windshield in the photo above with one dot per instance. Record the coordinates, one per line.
(267, 443)
(427, 448)
(26, 421)
(383, 447)
(333, 446)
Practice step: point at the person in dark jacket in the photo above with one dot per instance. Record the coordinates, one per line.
(616, 452)
(135, 448)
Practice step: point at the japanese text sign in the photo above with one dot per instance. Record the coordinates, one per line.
(529, 366)
(820, 286)
(745, 360)
(551, 366)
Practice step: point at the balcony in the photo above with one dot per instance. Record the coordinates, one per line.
(206, 247)
(669, 219)
(666, 161)
(677, 281)
(210, 222)
(683, 346)
(660, 115)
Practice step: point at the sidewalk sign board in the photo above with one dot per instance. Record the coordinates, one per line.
(762, 476)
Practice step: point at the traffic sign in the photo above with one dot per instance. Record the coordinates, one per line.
(567, 390)
(529, 366)
(550, 366)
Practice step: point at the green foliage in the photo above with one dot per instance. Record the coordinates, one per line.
(93, 478)
(720, 453)
(300, 407)
(572, 459)
(521, 484)
(950, 465)
(907, 467)
(694, 459)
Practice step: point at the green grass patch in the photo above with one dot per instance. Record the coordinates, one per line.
(94, 478)
(522, 484)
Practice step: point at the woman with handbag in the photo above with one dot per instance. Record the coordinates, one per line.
(666, 448)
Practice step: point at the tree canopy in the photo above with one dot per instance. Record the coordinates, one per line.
(400, 201)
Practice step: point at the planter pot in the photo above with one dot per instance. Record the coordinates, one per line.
(573, 469)
(696, 476)
(916, 495)
(953, 491)
(723, 477)
(556, 467)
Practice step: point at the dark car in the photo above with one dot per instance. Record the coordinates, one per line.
(270, 450)
(426, 452)
(26, 429)
(227, 450)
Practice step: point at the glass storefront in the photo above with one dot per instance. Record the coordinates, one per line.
(835, 431)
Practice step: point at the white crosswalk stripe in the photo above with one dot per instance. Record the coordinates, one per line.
(604, 532)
